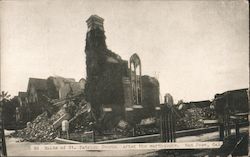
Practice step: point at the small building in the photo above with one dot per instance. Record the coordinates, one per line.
(231, 108)
(233, 102)
(197, 104)
(22, 98)
(37, 90)
(40, 91)
(37, 93)
(23, 107)
(60, 88)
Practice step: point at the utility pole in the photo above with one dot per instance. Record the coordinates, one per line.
(3, 143)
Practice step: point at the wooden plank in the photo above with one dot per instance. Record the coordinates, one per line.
(210, 121)
(241, 114)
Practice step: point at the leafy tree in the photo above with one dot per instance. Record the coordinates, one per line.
(8, 108)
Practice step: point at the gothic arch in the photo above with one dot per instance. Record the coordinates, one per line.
(135, 78)
(168, 99)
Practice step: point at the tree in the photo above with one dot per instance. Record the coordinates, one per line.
(8, 108)
(4, 100)
(4, 97)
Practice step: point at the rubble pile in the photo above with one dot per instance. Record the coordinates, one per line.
(193, 118)
(39, 130)
(59, 114)
(81, 124)
(82, 119)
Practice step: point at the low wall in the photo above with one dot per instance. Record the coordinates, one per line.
(156, 137)
(145, 138)
(65, 141)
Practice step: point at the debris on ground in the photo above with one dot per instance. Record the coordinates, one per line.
(47, 126)
(39, 130)
(42, 128)
(192, 118)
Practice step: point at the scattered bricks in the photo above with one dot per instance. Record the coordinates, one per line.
(193, 118)
(41, 128)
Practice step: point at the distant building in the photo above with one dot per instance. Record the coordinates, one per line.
(22, 98)
(37, 93)
(233, 101)
(23, 106)
(37, 90)
(60, 88)
(232, 108)
(196, 104)
(40, 91)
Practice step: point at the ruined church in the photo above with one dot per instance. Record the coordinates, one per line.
(116, 88)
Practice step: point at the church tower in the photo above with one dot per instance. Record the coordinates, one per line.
(105, 69)
(95, 60)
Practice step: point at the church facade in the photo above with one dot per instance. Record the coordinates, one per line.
(115, 87)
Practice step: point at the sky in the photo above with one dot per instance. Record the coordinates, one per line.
(195, 48)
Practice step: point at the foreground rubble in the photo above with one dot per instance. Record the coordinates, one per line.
(193, 118)
(40, 130)
(45, 127)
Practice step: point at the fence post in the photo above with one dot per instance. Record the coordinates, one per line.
(167, 120)
(237, 129)
(221, 129)
(163, 124)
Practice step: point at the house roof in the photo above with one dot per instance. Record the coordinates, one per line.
(200, 102)
(220, 95)
(40, 84)
(62, 79)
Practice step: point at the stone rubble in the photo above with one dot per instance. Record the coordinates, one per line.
(41, 128)
(193, 118)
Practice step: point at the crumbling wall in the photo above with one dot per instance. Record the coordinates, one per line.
(127, 92)
(52, 89)
(105, 70)
(110, 81)
(150, 95)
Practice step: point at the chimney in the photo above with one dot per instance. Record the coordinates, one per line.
(94, 22)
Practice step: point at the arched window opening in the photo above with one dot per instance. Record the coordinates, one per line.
(135, 78)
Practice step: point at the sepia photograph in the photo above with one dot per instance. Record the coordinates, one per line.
(137, 78)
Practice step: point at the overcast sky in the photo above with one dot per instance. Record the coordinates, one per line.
(195, 48)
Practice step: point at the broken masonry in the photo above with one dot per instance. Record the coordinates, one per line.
(115, 90)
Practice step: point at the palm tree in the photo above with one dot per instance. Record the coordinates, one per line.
(4, 97)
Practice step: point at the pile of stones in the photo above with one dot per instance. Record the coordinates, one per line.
(193, 118)
(39, 130)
